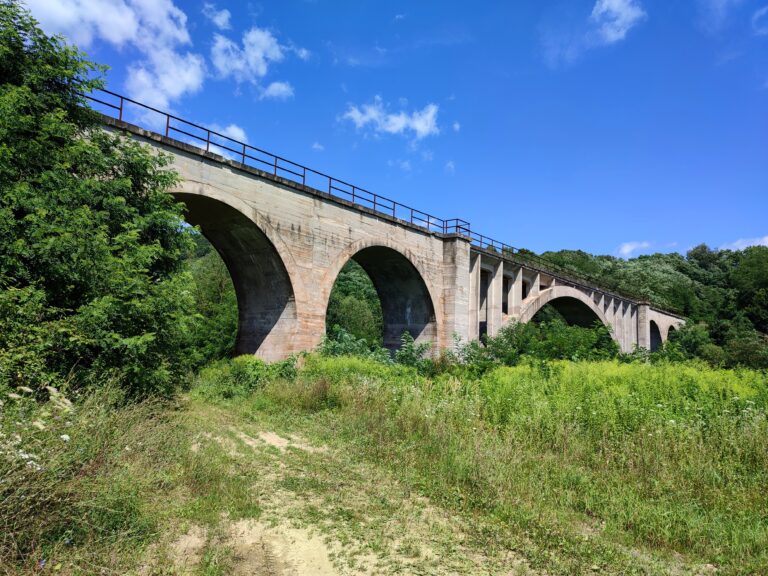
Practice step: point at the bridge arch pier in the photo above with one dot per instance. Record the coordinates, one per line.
(407, 303)
(267, 314)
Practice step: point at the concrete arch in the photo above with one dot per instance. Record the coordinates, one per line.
(669, 332)
(575, 305)
(407, 302)
(656, 339)
(267, 314)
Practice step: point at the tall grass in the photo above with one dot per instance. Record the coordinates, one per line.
(664, 458)
(69, 481)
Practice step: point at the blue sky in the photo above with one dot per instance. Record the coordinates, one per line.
(613, 126)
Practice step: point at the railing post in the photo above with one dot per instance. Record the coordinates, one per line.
(275, 166)
(304, 177)
(243, 153)
(122, 102)
(208, 142)
(374, 202)
(167, 124)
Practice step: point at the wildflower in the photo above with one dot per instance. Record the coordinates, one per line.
(39, 425)
(65, 437)
(26, 389)
(14, 396)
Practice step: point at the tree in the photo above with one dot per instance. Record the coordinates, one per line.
(92, 284)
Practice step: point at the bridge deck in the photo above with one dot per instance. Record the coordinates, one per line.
(247, 158)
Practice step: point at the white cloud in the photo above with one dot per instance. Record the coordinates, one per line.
(235, 132)
(220, 18)
(609, 23)
(399, 17)
(317, 146)
(302, 53)
(249, 62)
(404, 165)
(760, 21)
(456, 127)
(715, 13)
(626, 249)
(156, 28)
(277, 91)
(421, 123)
(450, 167)
(742, 243)
(614, 18)
(164, 77)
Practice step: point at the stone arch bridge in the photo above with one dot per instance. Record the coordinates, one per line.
(285, 231)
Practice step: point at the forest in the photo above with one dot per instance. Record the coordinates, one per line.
(126, 424)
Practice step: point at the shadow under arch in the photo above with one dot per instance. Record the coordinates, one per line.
(574, 306)
(265, 298)
(406, 304)
(656, 339)
(670, 331)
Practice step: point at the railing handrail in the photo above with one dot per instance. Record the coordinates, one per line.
(364, 198)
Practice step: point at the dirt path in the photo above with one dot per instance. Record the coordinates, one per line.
(321, 513)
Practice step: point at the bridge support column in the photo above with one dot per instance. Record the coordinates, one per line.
(495, 296)
(535, 285)
(643, 326)
(457, 292)
(474, 297)
(516, 293)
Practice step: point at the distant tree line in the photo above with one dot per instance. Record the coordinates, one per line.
(723, 293)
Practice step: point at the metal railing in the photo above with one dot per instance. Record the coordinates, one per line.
(252, 156)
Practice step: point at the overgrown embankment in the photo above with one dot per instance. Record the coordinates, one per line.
(560, 467)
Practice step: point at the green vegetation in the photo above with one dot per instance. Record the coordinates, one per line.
(571, 467)
(723, 293)
(92, 285)
(131, 443)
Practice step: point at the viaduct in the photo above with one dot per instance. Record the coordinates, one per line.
(285, 232)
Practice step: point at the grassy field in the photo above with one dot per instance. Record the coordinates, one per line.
(347, 466)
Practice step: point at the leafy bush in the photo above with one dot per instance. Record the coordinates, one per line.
(343, 343)
(241, 376)
(91, 245)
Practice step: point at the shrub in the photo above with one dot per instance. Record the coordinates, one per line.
(240, 377)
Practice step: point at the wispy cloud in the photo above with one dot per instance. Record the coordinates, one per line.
(376, 117)
(219, 18)
(277, 91)
(456, 127)
(317, 146)
(627, 249)
(248, 61)
(714, 14)
(404, 165)
(609, 23)
(450, 167)
(614, 18)
(742, 243)
(166, 70)
(251, 59)
(760, 21)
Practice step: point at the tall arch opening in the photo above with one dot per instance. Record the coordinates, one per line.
(266, 305)
(655, 337)
(670, 331)
(403, 297)
(570, 310)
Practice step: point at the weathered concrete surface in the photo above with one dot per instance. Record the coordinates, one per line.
(285, 244)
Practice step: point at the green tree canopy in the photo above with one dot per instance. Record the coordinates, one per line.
(91, 246)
